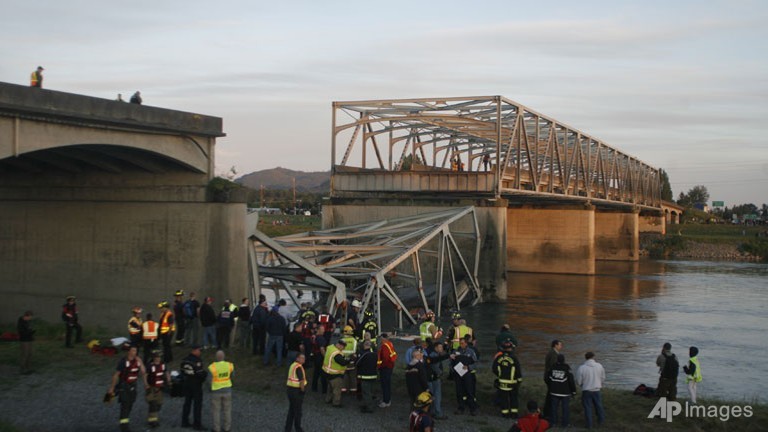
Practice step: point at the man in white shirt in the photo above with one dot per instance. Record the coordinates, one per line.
(591, 377)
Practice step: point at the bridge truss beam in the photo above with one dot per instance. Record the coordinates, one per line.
(402, 261)
(527, 151)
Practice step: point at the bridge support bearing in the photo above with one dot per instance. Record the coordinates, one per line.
(617, 236)
(551, 240)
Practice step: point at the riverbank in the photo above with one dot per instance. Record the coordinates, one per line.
(65, 392)
(707, 242)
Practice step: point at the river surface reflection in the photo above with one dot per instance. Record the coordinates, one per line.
(628, 311)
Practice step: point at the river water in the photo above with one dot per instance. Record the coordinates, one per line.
(627, 312)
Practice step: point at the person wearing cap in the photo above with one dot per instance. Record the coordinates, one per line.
(561, 386)
(178, 313)
(420, 420)
(124, 381)
(386, 363)
(505, 334)
(369, 325)
(149, 336)
(692, 372)
(221, 391)
(458, 331)
(506, 369)
(167, 327)
(36, 79)
(70, 317)
(158, 377)
(208, 323)
(26, 336)
(334, 366)
(549, 362)
(194, 375)
(353, 320)
(296, 388)
(224, 325)
(134, 326)
(532, 421)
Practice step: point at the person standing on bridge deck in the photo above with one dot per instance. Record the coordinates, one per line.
(486, 162)
(36, 79)
(136, 98)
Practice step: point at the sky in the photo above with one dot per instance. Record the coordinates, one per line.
(682, 85)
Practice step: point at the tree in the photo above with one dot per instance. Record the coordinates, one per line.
(697, 195)
(666, 188)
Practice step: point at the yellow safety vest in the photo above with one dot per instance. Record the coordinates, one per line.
(351, 347)
(165, 325)
(221, 372)
(134, 330)
(330, 366)
(293, 377)
(150, 330)
(424, 330)
(697, 374)
(459, 333)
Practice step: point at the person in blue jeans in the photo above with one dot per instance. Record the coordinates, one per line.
(561, 386)
(276, 327)
(590, 377)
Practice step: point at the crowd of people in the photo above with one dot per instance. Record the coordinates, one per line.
(358, 361)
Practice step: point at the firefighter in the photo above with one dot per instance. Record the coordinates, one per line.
(350, 350)
(458, 331)
(158, 376)
(506, 369)
(134, 327)
(428, 330)
(167, 327)
(149, 335)
(178, 313)
(420, 420)
(70, 317)
(297, 386)
(36, 79)
(124, 380)
(369, 325)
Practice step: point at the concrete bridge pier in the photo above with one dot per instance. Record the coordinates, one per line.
(555, 239)
(616, 235)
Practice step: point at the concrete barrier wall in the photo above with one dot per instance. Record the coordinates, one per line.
(114, 256)
(552, 240)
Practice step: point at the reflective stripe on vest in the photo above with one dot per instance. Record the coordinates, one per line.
(220, 375)
(293, 377)
(696, 375)
(351, 346)
(156, 374)
(330, 366)
(134, 325)
(506, 371)
(130, 373)
(165, 325)
(150, 330)
(459, 333)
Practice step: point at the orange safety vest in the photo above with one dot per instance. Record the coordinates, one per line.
(293, 376)
(165, 325)
(150, 330)
(134, 326)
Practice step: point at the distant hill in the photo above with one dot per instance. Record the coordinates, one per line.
(282, 178)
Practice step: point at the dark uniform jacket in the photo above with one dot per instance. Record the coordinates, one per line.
(193, 371)
(506, 366)
(560, 380)
(366, 365)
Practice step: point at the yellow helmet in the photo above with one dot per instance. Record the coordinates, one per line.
(93, 343)
(136, 310)
(348, 330)
(163, 304)
(424, 399)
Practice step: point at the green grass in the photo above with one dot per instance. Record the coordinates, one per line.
(716, 233)
(297, 224)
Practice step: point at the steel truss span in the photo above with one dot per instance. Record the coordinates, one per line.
(524, 151)
(428, 261)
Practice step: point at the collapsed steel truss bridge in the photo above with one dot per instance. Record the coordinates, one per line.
(430, 260)
(511, 149)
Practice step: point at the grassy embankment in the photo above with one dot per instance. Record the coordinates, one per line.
(625, 412)
(686, 238)
(275, 226)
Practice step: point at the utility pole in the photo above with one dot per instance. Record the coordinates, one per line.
(261, 195)
(294, 196)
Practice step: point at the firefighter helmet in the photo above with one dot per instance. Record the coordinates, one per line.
(457, 315)
(179, 293)
(163, 304)
(368, 313)
(348, 330)
(136, 310)
(424, 399)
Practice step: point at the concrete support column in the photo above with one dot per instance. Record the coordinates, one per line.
(617, 236)
(551, 240)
